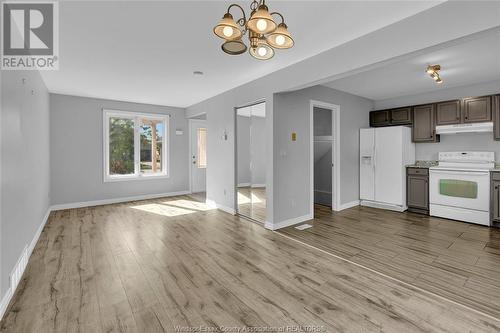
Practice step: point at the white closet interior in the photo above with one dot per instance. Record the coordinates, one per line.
(323, 141)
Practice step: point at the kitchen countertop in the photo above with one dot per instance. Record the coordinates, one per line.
(424, 164)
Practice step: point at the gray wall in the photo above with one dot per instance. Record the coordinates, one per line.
(243, 149)
(292, 114)
(25, 164)
(458, 142)
(76, 141)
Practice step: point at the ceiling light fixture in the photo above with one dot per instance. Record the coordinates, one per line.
(263, 33)
(433, 71)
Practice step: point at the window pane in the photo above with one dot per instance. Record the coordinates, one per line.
(151, 134)
(202, 148)
(121, 146)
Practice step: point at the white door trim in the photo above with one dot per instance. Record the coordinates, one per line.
(336, 206)
(191, 123)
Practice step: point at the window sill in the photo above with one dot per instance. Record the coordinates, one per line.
(109, 179)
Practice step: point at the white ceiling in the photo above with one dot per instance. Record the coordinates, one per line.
(146, 51)
(470, 62)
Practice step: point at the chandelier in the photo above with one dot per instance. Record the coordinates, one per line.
(263, 33)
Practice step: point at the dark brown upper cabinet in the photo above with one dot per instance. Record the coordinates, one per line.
(380, 118)
(477, 109)
(496, 116)
(424, 123)
(448, 113)
(393, 117)
(401, 116)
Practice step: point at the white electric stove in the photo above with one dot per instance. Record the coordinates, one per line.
(459, 186)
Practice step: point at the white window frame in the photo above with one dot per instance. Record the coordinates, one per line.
(136, 116)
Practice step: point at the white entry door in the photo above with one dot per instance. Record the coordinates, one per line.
(198, 155)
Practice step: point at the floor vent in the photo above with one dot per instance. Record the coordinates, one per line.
(303, 226)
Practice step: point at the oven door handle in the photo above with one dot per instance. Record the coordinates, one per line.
(470, 173)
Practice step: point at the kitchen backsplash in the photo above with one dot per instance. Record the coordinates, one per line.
(458, 142)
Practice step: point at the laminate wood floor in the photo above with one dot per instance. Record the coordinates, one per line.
(456, 260)
(150, 266)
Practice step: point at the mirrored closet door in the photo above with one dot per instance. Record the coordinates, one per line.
(251, 161)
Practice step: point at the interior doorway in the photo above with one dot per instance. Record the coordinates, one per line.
(325, 155)
(198, 155)
(251, 198)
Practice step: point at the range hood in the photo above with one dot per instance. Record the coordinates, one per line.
(465, 128)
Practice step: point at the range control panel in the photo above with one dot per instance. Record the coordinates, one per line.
(467, 156)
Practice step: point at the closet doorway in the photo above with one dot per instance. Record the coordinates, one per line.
(325, 151)
(251, 161)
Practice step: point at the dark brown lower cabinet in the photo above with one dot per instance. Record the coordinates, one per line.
(417, 190)
(495, 198)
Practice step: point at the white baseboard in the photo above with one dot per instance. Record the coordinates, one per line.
(348, 205)
(116, 200)
(5, 302)
(258, 185)
(243, 184)
(213, 204)
(381, 205)
(287, 223)
(20, 267)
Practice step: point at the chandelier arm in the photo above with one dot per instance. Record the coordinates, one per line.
(242, 21)
(281, 16)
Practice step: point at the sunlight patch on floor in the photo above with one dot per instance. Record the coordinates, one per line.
(188, 204)
(164, 210)
(174, 207)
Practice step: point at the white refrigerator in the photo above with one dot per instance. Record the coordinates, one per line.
(384, 154)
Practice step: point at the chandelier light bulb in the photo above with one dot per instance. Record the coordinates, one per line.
(227, 31)
(261, 25)
(280, 40)
(262, 51)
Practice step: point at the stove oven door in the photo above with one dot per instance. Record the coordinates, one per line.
(461, 189)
